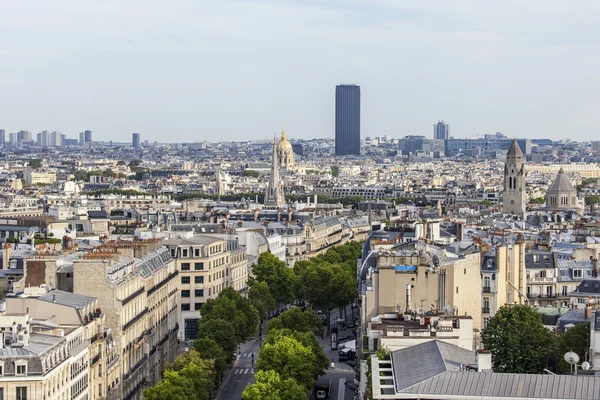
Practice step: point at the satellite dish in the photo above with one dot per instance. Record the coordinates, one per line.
(436, 261)
(571, 358)
(585, 365)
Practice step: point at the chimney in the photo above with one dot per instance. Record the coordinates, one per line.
(595, 271)
(408, 307)
(315, 200)
(483, 359)
(588, 309)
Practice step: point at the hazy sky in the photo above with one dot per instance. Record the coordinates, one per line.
(192, 70)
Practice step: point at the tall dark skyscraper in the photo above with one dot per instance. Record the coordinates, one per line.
(2, 137)
(135, 140)
(87, 136)
(441, 131)
(347, 120)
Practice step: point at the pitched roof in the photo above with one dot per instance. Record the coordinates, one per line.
(515, 149)
(561, 183)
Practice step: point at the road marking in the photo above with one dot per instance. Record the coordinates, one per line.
(246, 370)
(245, 354)
(341, 389)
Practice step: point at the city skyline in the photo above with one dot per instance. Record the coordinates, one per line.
(217, 70)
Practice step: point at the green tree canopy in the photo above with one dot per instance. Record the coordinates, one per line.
(135, 163)
(592, 201)
(277, 275)
(260, 297)
(518, 340)
(209, 349)
(231, 306)
(35, 163)
(173, 386)
(222, 332)
(575, 339)
(309, 340)
(269, 386)
(199, 371)
(252, 173)
(298, 320)
(290, 359)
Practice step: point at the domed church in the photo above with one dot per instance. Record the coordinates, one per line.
(285, 153)
(562, 196)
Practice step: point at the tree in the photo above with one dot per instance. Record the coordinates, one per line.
(575, 339)
(260, 297)
(231, 306)
(35, 163)
(277, 275)
(309, 340)
(298, 320)
(199, 371)
(251, 173)
(173, 386)
(269, 386)
(290, 359)
(485, 203)
(108, 173)
(537, 200)
(335, 171)
(222, 332)
(591, 201)
(209, 349)
(120, 162)
(135, 163)
(518, 340)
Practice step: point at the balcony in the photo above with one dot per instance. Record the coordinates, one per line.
(485, 310)
(487, 289)
(96, 358)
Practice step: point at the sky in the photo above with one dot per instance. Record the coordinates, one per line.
(195, 70)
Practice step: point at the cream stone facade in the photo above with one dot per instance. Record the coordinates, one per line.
(136, 284)
(206, 265)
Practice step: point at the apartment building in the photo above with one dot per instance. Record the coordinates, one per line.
(79, 319)
(137, 289)
(41, 360)
(206, 265)
(417, 277)
(542, 277)
(503, 279)
(33, 178)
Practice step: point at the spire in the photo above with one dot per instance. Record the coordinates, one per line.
(515, 149)
(283, 134)
(274, 196)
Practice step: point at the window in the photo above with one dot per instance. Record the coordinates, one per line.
(198, 279)
(185, 293)
(185, 279)
(199, 292)
(185, 266)
(99, 390)
(485, 322)
(465, 271)
(196, 252)
(542, 274)
(197, 307)
(190, 328)
(546, 258)
(457, 290)
(486, 302)
(185, 307)
(577, 273)
(536, 258)
(564, 291)
(22, 393)
(21, 370)
(185, 253)
(1, 393)
(199, 266)
(581, 301)
(549, 291)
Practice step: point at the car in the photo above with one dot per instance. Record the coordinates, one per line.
(351, 324)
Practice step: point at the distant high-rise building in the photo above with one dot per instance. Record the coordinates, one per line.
(87, 137)
(441, 131)
(54, 140)
(81, 138)
(2, 138)
(12, 138)
(44, 139)
(135, 140)
(63, 139)
(347, 120)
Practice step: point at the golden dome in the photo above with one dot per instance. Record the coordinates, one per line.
(284, 145)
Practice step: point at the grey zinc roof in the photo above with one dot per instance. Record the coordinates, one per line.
(509, 386)
(561, 183)
(515, 149)
(192, 241)
(418, 363)
(77, 301)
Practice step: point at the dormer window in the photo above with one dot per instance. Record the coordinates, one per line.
(536, 258)
(21, 368)
(577, 273)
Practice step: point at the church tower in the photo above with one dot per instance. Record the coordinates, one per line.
(274, 196)
(515, 196)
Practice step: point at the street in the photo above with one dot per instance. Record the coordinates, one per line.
(241, 374)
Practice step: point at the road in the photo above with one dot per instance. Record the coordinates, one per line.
(241, 374)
